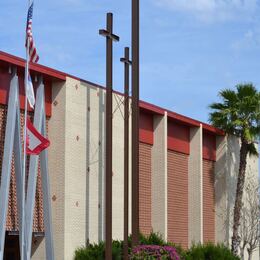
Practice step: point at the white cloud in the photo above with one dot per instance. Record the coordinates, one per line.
(213, 10)
(248, 42)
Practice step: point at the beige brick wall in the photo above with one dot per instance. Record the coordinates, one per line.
(159, 176)
(67, 170)
(195, 187)
(57, 174)
(76, 129)
(75, 167)
(57, 167)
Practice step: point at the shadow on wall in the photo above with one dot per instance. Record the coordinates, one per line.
(225, 184)
(95, 154)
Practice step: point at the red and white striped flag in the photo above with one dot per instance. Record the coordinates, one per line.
(33, 55)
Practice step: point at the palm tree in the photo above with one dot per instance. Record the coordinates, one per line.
(238, 114)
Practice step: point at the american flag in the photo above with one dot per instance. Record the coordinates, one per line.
(33, 56)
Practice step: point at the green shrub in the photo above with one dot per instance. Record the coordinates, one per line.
(156, 239)
(209, 251)
(97, 251)
(92, 251)
(150, 252)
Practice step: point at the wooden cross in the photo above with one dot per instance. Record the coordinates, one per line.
(127, 64)
(110, 37)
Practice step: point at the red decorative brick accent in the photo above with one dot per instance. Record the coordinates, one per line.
(12, 215)
(145, 184)
(178, 198)
(208, 201)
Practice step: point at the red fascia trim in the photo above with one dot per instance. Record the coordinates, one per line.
(213, 130)
(183, 119)
(195, 123)
(54, 74)
(151, 108)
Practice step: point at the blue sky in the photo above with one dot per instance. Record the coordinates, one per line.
(189, 49)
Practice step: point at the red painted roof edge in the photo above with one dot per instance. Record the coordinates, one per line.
(55, 74)
(212, 129)
(151, 108)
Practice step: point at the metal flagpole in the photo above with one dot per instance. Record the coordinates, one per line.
(127, 63)
(24, 149)
(135, 122)
(110, 37)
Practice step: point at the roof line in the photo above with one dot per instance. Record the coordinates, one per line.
(6, 57)
(58, 75)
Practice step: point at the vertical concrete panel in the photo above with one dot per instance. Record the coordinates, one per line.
(195, 187)
(251, 181)
(221, 233)
(233, 150)
(95, 161)
(159, 176)
(118, 167)
(75, 167)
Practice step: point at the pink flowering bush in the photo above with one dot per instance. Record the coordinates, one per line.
(150, 252)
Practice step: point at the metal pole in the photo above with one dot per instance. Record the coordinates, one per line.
(110, 37)
(127, 63)
(135, 122)
(109, 134)
(24, 241)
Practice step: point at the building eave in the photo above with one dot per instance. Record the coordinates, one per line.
(9, 59)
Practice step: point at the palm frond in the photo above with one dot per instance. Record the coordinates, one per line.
(246, 90)
(239, 111)
(252, 150)
(218, 106)
(229, 97)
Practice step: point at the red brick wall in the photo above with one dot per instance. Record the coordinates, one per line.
(145, 184)
(178, 198)
(208, 201)
(12, 215)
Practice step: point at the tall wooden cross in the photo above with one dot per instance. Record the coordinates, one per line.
(127, 64)
(110, 37)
